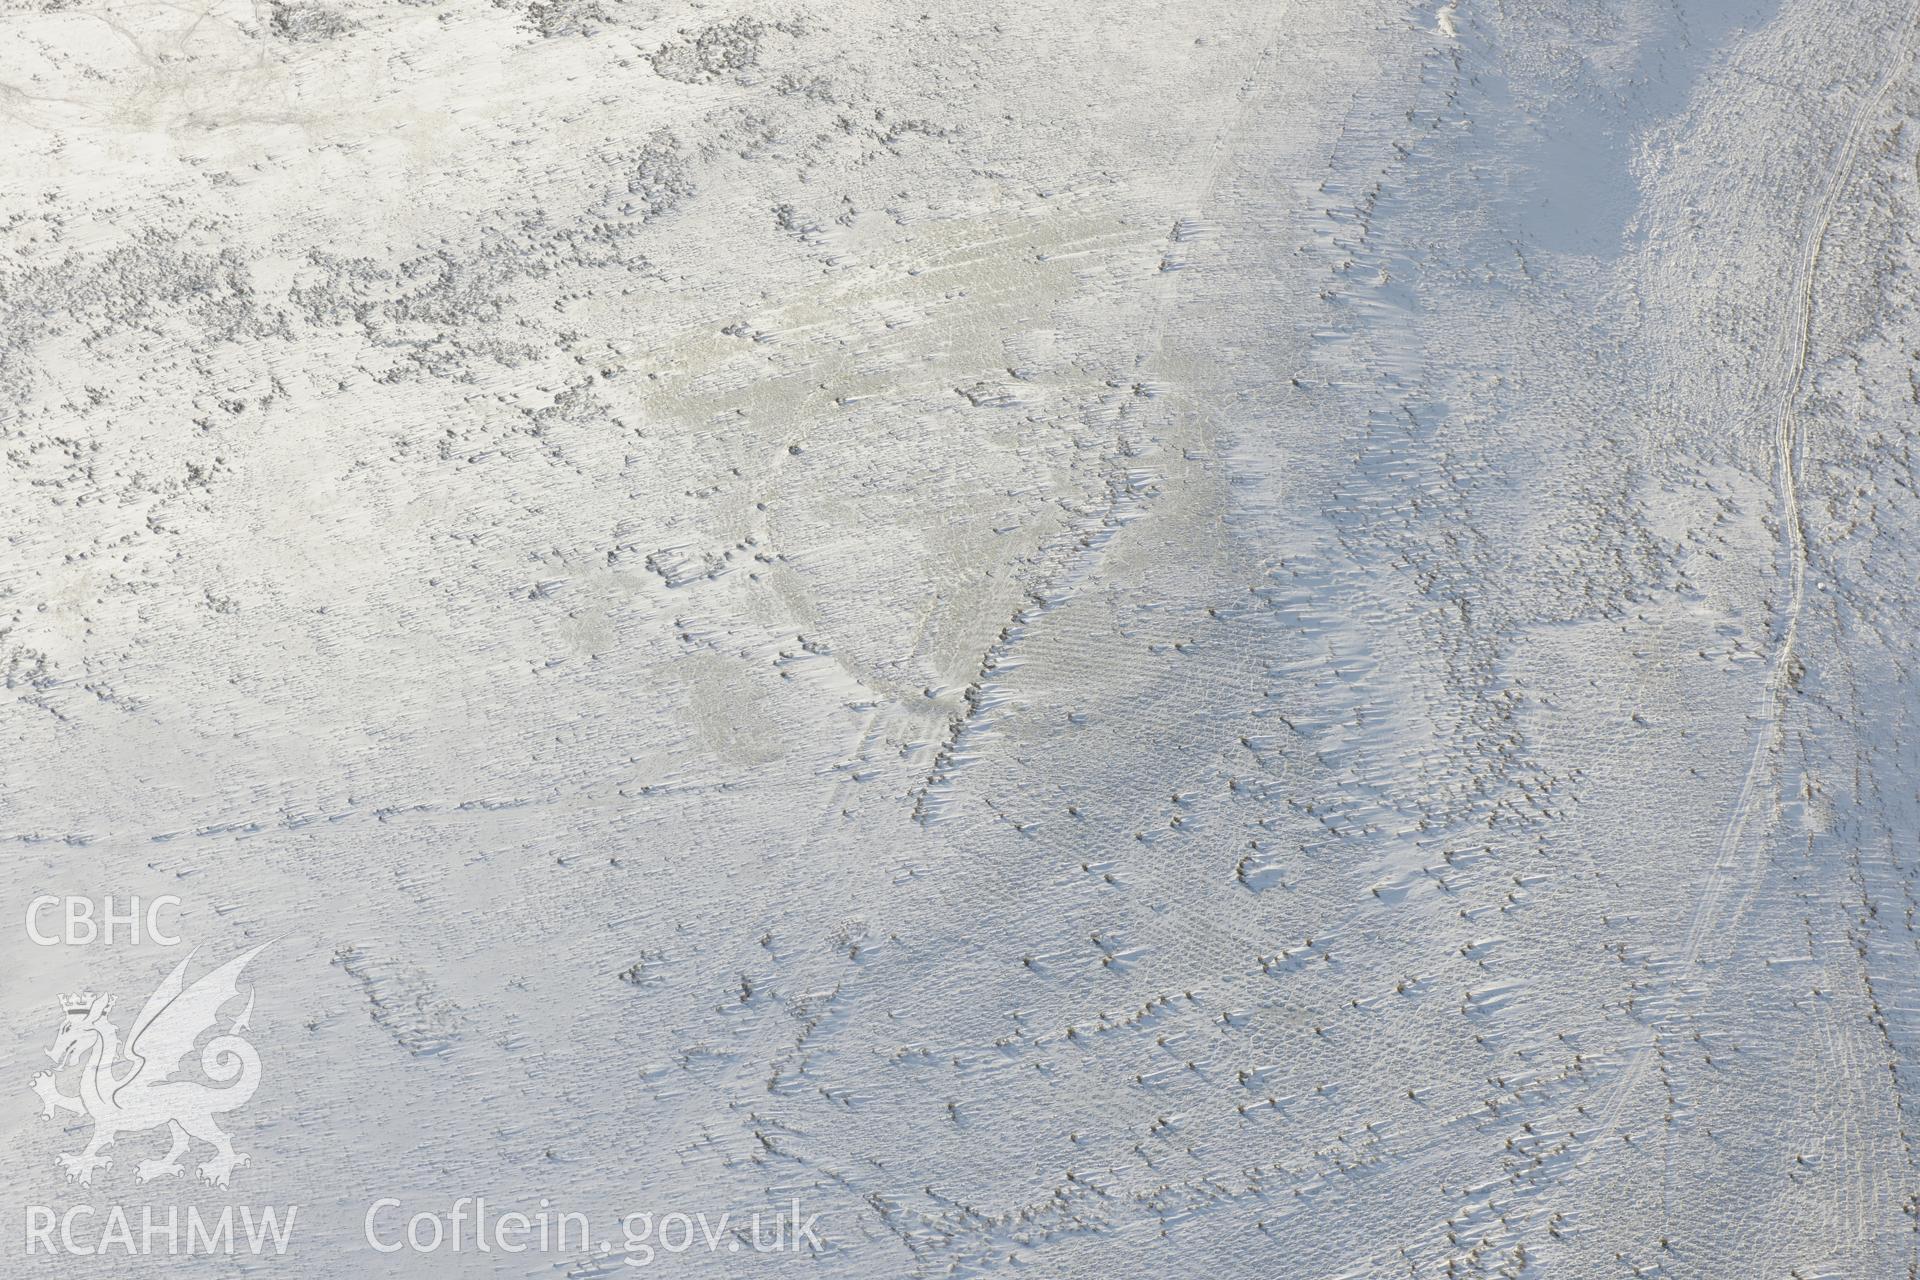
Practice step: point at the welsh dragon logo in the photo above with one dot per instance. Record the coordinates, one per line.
(130, 1088)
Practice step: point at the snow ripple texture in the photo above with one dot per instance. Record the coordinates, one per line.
(1208, 640)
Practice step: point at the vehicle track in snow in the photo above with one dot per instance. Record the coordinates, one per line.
(1796, 342)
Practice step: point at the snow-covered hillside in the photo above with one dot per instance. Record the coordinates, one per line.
(1231, 639)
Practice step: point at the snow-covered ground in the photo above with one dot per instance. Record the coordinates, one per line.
(1228, 639)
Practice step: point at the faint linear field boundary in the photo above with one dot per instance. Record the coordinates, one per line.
(1130, 489)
